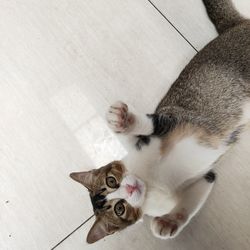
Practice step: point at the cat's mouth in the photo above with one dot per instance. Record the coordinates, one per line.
(135, 189)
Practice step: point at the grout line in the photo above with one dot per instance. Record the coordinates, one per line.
(66, 237)
(172, 25)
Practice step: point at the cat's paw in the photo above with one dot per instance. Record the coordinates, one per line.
(168, 226)
(118, 117)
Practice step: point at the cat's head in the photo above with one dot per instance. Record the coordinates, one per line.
(116, 196)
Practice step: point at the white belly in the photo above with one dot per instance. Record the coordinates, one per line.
(188, 159)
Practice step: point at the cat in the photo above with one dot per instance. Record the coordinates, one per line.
(168, 175)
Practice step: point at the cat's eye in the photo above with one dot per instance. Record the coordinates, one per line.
(111, 182)
(119, 208)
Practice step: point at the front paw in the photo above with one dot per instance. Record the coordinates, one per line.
(168, 226)
(118, 117)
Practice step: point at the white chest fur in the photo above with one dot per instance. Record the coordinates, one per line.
(186, 160)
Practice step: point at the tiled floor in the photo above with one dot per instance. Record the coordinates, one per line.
(62, 63)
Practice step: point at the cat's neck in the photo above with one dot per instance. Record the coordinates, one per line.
(158, 202)
(142, 162)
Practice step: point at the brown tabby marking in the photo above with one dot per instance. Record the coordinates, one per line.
(185, 130)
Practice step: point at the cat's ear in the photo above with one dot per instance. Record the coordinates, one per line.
(99, 230)
(85, 178)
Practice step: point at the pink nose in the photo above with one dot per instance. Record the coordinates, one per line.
(130, 189)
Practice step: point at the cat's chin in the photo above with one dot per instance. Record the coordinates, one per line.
(137, 197)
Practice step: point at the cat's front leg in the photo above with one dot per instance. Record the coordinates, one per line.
(192, 199)
(121, 120)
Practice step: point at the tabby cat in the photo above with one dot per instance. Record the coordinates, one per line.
(169, 173)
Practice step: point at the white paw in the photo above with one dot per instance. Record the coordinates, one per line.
(118, 117)
(168, 226)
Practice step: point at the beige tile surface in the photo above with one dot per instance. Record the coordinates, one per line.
(190, 18)
(61, 64)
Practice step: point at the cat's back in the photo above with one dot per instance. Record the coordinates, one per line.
(223, 64)
(215, 84)
(231, 50)
(227, 56)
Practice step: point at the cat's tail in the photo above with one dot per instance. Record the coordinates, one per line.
(223, 14)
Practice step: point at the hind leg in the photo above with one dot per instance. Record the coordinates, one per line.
(192, 199)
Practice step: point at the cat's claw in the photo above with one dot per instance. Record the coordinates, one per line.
(168, 226)
(118, 117)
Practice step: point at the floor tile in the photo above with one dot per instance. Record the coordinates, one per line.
(62, 64)
(190, 18)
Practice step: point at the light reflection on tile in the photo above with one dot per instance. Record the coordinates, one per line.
(92, 132)
(73, 106)
(99, 142)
